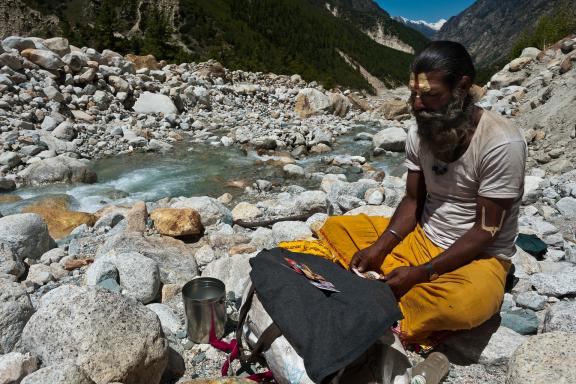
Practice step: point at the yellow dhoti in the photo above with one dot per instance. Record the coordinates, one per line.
(461, 299)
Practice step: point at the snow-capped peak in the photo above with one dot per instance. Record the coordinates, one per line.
(435, 26)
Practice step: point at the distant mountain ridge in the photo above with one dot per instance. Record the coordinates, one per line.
(324, 40)
(375, 22)
(427, 29)
(490, 28)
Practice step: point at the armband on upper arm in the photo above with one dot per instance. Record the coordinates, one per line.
(492, 230)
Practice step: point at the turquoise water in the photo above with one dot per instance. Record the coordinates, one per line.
(189, 170)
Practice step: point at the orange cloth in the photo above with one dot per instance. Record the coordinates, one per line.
(461, 299)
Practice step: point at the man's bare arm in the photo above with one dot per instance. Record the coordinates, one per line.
(402, 223)
(490, 214)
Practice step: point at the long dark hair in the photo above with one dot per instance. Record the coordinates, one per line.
(447, 57)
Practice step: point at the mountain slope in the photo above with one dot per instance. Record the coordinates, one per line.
(368, 17)
(280, 36)
(427, 29)
(490, 28)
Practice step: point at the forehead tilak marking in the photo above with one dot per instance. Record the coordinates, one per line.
(419, 83)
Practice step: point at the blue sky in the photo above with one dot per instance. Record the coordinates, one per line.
(428, 10)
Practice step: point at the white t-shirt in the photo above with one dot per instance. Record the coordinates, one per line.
(492, 166)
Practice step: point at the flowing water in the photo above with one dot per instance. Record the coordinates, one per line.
(190, 170)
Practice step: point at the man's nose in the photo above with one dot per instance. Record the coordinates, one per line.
(417, 104)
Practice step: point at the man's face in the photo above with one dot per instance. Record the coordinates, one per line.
(440, 112)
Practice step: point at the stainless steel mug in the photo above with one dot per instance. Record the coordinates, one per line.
(205, 306)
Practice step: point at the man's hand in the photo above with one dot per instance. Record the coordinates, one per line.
(402, 279)
(368, 259)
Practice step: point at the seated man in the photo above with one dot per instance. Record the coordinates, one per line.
(446, 250)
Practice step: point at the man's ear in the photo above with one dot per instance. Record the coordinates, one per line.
(465, 83)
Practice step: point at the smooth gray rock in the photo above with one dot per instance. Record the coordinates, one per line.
(262, 238)
(211, 210)
(555, 284)
(138, 275)
(544, 358)
(52, 256)
(49, 123)
(11, 60)
(10, 159)
(176, 261)
(58, 45)
(567, 207)
(101, 270)
(530, 52)
(561, 317)
(204, 256)
(390, 139)
(39, 274)
(291, 230)
(154, 103)
(26, 235)
(59, 169)
(65, 373)
(233, 271)
(65, 131)
(45, 59)
(170, 322)
(487, 344)
(523, 321)
(10, 263)
(293, 170)
(7, 185)
(53, 94)
(531, 300)
(19, 43)
(111, 337)
(14, 366)
(159, 145)
(15, 310)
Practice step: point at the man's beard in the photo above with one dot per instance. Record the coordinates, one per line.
(443, 130)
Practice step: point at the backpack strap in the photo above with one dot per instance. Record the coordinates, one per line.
(264, 341)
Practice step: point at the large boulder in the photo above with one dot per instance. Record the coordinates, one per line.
(138, 275)
(155, 103)
(246, 211)
(176, 260)
(61, 221)
(544, 358)
(310, 102)
(488, 344)
(390, 139)
(291, 230)
(211, 210)
(561, 317)
(19, 43)
(140, 62)
(58, 45)
(26, 235)
(567, 207)
(561, 283)
(111, 337)
(65, 373)
(15, 310)
(339, 104)
(392, 109)
(59, 169)
(233, 271)
(65, 131)
(14, 366)
(177, 222)
(506, 78)
(45, 59)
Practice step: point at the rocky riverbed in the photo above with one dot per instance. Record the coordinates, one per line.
(94, 296)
